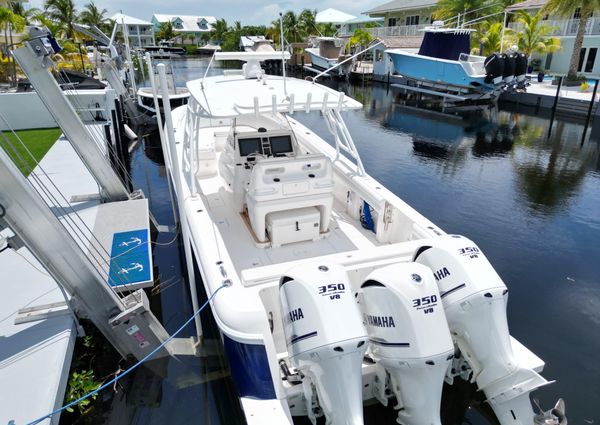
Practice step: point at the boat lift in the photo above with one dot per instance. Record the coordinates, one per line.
(81, 261)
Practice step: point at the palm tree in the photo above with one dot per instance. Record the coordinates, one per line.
(10, 22)
(360, 38)
(292, 30)
(567, 8)
(93, 16)
(535, 36)
(219, 30)
(165, 31)
(447, 9)
(64, 13)
(491, 37)
(27, 14)
(307, 22)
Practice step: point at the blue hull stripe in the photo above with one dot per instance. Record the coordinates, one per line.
(250, 369)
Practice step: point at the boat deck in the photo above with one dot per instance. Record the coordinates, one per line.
(345, 233)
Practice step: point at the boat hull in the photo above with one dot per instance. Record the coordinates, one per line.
(323, 63)
(437, 71)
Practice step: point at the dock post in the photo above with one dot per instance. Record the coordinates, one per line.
(589, 114)
(560, 81)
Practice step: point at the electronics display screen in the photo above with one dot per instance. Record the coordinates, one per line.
(281, 145)
(250, 145)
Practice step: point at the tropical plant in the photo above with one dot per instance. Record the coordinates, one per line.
(360, 39)
(292, 30)
(490, 39)
(219, 30)
(91, 15)
(80, 384)
(468, 9)
(327, 29)
(62, 12)
(307, 22)
(534, 35)
(567, 8)
(27, 14)
(165, 31)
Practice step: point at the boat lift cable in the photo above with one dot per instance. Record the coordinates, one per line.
(69, 215)
(66, 218)
(135, 366)
(95, 133)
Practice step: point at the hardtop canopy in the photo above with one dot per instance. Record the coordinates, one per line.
(228, 96)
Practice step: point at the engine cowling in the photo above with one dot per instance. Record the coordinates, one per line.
(474, 299)
(409, 337)
(494, 68)
(325, 338)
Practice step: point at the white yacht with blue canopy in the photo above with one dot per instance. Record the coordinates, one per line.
(323, 264)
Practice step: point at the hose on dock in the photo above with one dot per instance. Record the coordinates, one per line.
(126, 372)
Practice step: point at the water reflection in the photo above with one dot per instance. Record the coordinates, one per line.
(550, 172)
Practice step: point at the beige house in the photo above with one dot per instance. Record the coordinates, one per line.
(402, 17)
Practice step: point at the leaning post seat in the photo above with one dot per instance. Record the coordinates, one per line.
(282, 184)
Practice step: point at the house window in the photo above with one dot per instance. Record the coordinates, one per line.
(378, 55)
(412, 20)
(577, 13)
(589, 63)
(391, 22)
(581, 57)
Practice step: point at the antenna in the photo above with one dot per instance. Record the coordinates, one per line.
(282, 51)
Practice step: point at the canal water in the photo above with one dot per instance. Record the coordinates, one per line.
(527, 194)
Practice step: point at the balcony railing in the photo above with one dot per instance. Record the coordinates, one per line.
(397, 31)
(566, 27)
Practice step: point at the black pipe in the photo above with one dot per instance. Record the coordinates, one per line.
(560, 81)
(589, 114)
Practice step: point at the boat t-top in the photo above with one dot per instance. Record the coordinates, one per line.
(337, 293)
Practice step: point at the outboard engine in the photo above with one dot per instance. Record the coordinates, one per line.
(326, 340)
(494, 68)
(521, 69)
(410, 340)
(510, 63)
(474, 299)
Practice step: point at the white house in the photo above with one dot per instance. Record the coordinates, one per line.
(565, 30)
(140, 32)
(189, 28)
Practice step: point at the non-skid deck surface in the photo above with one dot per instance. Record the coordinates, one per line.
(345, 234)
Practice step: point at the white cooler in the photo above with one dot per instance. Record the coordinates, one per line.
(300, 224)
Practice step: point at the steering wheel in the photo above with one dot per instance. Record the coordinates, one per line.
(256, 156)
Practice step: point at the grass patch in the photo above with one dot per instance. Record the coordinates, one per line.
(38, 142)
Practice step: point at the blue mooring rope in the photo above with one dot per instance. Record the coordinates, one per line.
(116, 378)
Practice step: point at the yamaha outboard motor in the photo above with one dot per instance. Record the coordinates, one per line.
(410, 340)
(474, 299)
(510, 63)
(326, 340)
(520, 69)
(494, 68)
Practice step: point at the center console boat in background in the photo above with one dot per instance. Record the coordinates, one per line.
(445, 65)
(337, 292)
